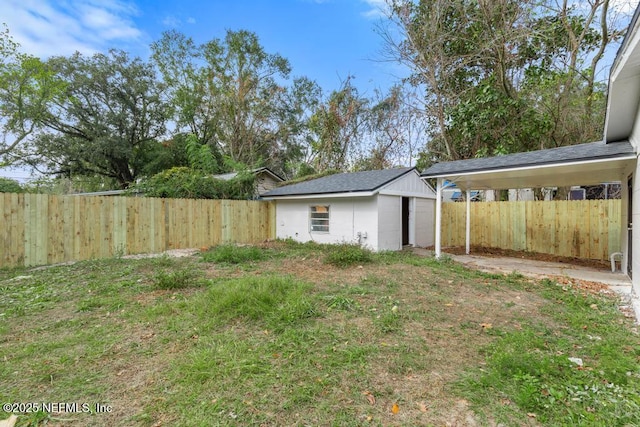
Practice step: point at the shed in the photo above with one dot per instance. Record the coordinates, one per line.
(381, 209)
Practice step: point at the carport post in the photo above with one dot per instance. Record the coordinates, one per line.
(438, 216)
(468, 227)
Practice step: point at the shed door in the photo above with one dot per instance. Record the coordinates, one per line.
(405, 221)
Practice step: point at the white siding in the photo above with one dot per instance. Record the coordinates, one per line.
(377, 218)
(389, 223)
(424, 222)
(409, 185)
(635, 221)
(347, 217)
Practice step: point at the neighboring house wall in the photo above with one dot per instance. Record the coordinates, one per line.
(521, 194)
(265, 182)
(347, 217)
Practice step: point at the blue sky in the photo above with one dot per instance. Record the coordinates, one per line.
(325, 40)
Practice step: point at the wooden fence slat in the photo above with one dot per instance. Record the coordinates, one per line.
(577, 228)
(39, 229)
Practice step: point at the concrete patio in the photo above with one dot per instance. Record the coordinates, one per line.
(617, 282)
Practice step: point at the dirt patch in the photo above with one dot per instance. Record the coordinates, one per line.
(173, 253)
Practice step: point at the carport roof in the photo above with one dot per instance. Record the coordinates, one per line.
(584, 164)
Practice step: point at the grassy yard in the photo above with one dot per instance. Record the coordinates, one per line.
(290, 334)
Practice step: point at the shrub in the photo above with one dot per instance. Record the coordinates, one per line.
(233, 254)
(187, 183)
(178, 279)
(348, 254)
(10, 186)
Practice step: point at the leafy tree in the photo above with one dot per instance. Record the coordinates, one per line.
(26, 87)
(112, 112)
(183, 182)
(394, 129)
(336, 127)
(8, 185)
(232, 95)
(503, 76)
(162, 155)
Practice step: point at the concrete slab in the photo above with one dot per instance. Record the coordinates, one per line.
(541, 269)
(618, 282)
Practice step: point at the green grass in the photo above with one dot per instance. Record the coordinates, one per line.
(234, 254)
(347, 255)
(295, 340)
(541, 380)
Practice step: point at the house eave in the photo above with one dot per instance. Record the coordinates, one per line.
(340, 195)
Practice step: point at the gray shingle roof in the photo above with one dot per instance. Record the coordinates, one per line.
(572, 153)
(354, 182)
(231, 175)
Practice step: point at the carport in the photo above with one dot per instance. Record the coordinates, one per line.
(582, 164)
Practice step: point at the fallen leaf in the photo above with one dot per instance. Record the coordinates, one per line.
(370, 397)
(422, 407)
(9, 422)
(531, 415)
(448, 305)
(395, 408)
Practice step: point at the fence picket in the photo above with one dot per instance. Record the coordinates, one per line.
(44, 229)
(577, 228)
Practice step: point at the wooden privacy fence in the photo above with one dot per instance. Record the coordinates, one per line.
(579, 228)
(40, 229)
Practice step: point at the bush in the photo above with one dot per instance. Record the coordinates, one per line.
(178, 279)
(187, 183)
(10, 186)
(348, 254)
(233, 254)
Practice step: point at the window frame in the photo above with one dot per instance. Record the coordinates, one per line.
(326, 220)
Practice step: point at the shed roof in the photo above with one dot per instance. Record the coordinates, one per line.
(354, 182)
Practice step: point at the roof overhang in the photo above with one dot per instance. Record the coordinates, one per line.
(323, 195)
(585, 172)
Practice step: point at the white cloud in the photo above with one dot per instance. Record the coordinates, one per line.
(378, 8)
(49, 27)
(171, 21)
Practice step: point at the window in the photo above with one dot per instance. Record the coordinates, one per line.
(319, 218)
